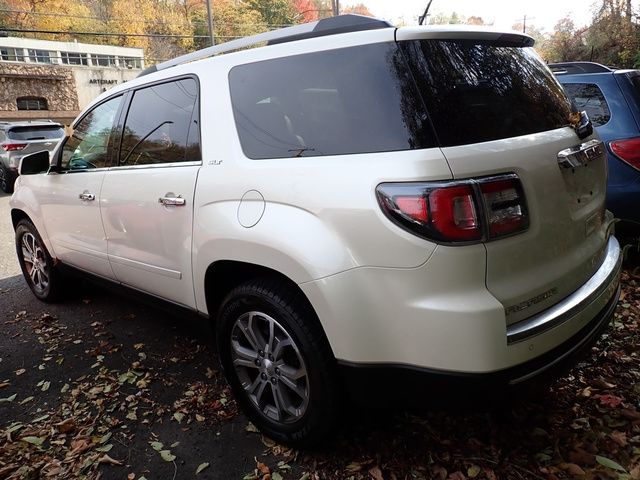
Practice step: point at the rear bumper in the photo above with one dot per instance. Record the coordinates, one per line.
(440, 316)
(379, 384)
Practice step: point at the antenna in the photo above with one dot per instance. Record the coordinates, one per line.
(423, 17)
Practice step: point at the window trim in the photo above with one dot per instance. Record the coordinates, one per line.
(115, 165)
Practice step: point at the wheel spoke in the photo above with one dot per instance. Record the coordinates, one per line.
(293, 386)
(292, 373)
(277, 352)
(244, 357)
(272, 335)
(26, 255)
(278, 399)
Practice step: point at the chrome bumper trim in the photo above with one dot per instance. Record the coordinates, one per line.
(599, 288)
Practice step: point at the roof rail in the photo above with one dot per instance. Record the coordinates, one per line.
(572, 68)
(320, 28)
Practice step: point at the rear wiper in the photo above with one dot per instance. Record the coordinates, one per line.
(581, 124)
(300, 151)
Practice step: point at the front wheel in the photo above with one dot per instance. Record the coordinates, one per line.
(37, 265)
(278, 362)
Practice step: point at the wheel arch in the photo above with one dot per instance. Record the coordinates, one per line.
(222, 276)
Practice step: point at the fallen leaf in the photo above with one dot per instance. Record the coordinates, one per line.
(9, 399)
(263, 468)
(604, 461)
(33, 440)
(108, 460)
(157, 446)
(20, 371)
(473, 471)
(178, 416)
(375, 473)
(201, 467)
(66, 426)
(167, 456)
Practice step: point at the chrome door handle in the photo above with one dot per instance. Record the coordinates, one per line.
(173, 201)
(87, 196)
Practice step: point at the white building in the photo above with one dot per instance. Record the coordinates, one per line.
(48, 79)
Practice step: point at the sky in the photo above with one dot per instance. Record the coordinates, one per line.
(543, 14)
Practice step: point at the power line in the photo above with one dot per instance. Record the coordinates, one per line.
(111, 34)
(153, 22)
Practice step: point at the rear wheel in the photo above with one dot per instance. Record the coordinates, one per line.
(7, 179)
(278, 362)
(37, 265)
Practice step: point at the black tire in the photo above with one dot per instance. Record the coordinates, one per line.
(7, 179)
(46, 281)
(315, 417)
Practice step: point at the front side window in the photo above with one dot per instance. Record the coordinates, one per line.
(589, 97)
(32, 103)
(88, 146)
(345, 101)
(162, 125)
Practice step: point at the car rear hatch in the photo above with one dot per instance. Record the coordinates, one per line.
(497, 109)
(26, 139)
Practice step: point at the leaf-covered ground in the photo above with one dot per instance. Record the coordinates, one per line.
(104, 387)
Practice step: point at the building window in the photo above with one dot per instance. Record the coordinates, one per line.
(70, 58)
(130, 62)
(39, 56)
(103, 60)
(32, 103)
(11, 54)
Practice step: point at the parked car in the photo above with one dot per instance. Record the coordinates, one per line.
(611, 98)
(358, 208)
(18, 139)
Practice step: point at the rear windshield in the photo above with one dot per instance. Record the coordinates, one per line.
(481, 91)
(36, 133)
(351, 100)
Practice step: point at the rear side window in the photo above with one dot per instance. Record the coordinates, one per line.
(589, 97)
(483, 91)
(344, 101)
(36, 133)
(162, 125)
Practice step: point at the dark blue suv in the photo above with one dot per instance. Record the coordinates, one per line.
(611, 98)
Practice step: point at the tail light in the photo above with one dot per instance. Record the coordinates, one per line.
(467, 211)
(628, 151)
(12, 147)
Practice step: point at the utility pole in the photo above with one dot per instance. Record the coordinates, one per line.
(210, 19)
(336, 7)
(524, 22)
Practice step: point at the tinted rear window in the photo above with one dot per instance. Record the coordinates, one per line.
(589, 97)
(477, 92)
(351, 100)
(35, 133)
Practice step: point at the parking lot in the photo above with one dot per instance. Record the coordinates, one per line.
(103, 386)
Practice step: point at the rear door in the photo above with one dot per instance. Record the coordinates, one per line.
(147, 198)
(496, 108)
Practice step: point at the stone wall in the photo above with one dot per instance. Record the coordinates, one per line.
(55, 83)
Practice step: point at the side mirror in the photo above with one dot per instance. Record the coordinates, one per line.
(34, 163)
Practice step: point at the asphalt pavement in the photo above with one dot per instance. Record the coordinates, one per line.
(160, 372)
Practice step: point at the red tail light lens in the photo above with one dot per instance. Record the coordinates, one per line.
(465, 211)
(11, 147)
(454, 213)
(627, 150)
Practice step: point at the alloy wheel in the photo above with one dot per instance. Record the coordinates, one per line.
(270, 367)
(35, 262)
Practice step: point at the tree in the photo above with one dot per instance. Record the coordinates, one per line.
(274, 13)
(359, 9)
(567, 43)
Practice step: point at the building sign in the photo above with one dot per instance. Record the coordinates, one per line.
(100, 81)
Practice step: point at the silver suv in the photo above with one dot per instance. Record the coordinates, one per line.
(18, 139)
(357, 208)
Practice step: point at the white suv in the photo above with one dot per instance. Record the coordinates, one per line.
(356, 207)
